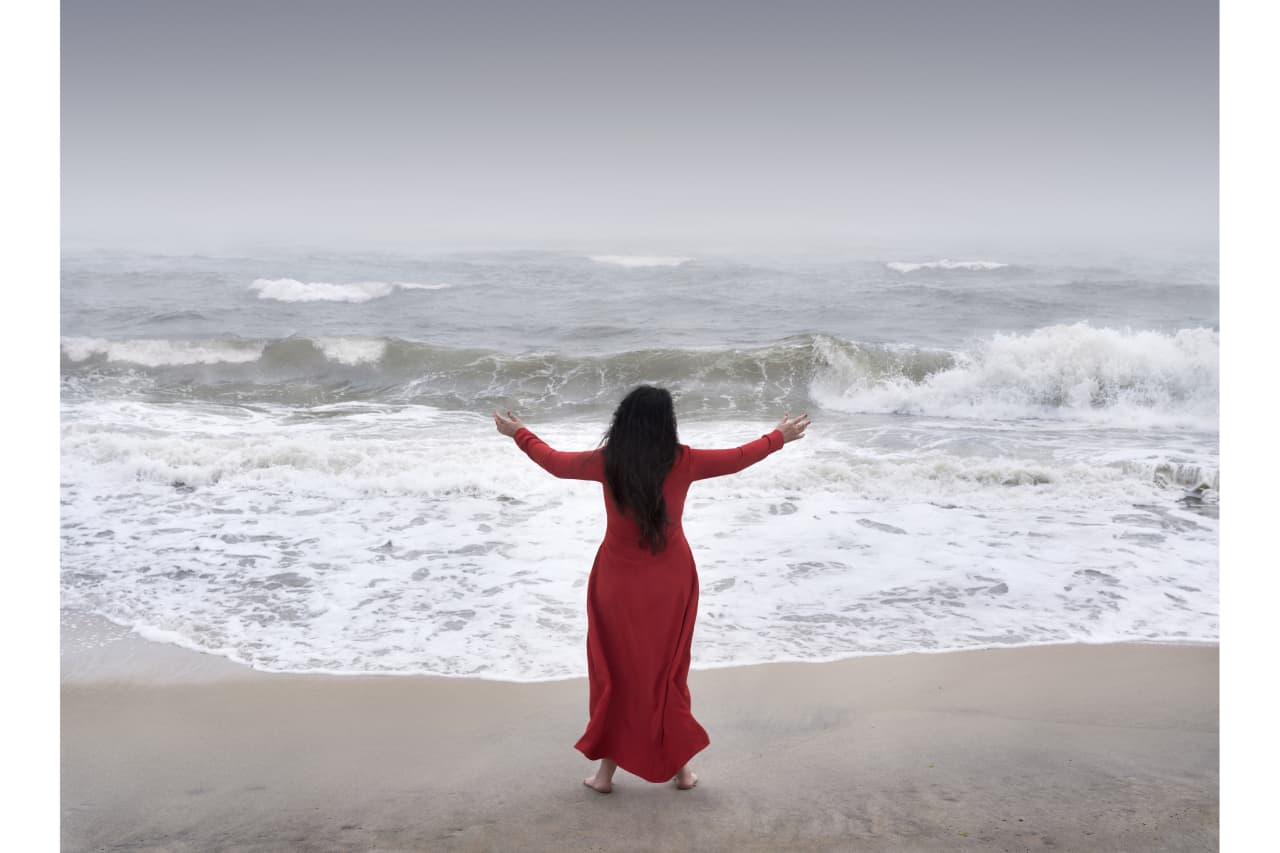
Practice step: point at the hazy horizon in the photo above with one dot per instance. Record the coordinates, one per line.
(647, 129)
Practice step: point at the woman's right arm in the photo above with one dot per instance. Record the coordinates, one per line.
(718, 463)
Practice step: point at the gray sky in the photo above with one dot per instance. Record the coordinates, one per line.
(640, 125)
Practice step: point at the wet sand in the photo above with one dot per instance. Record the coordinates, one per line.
(1067, 747)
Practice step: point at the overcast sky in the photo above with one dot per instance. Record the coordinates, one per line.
(641, 125)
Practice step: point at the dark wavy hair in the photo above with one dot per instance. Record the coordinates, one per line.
(640, 450)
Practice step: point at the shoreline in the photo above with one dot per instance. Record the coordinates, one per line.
(1071, 746)
(97, 650)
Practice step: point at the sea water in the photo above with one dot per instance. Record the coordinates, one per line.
(290, 459)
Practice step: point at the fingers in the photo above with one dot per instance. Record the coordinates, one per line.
(796, 426)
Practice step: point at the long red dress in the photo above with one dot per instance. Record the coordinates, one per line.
(641, 608)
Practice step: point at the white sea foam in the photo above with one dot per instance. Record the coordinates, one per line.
(944, 264)
(636, 261)
(409, 539)
(292, 290)
(158, 352)
(235, 447)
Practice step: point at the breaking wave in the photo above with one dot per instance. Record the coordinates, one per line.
(158, 352)
(1076, 372)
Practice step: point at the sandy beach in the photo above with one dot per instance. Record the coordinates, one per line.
(1065, 747)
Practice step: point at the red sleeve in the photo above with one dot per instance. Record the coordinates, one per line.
(717, 463)
(582, 465)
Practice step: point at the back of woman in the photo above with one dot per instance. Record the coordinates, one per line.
(624, 534)
(642, 593)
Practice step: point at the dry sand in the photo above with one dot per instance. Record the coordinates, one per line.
(1066, 748)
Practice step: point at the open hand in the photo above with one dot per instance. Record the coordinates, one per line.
(508, 425)
(793, 428)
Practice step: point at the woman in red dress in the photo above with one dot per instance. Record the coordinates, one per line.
(642, 594)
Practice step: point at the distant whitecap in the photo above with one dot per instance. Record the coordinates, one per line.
(292, 290)
(945, 264)
(637, 261)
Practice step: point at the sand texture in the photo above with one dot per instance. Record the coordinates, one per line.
(1071, 747)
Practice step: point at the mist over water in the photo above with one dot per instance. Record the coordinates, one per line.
(651, 130)
(289, 459)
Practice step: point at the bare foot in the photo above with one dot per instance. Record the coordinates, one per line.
(686, 779)
(593, 784)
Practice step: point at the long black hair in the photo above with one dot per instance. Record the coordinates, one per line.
(640, 451)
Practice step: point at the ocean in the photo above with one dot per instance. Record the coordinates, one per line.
(289, 459)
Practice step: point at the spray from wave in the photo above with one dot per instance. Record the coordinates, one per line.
(1074, 372)
(352, 351)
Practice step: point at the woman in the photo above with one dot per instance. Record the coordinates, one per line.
(642, 595)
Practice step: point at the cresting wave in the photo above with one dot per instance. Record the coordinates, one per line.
(159, 352)
(292, 290)
(1076, 372)
(945, 264)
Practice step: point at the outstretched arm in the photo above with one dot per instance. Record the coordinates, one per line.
(567, 465)
(718, 463)
(584, 465)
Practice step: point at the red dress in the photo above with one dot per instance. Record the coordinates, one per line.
(641, 608)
